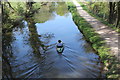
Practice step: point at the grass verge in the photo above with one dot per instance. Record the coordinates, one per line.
(111, 65)
(99, 18)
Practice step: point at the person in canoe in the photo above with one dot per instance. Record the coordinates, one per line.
(60, 46)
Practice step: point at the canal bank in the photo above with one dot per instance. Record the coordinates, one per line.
(31, 51)
(111, 65)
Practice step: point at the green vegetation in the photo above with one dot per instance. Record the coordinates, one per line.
(46, 12)
(100, 10)
(61, 9)
(97, 43)
(15, 12)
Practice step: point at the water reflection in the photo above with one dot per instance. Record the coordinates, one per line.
(46, 12)
(34, 37)
(78, 62)
(31, 46)
(87, 46)
(61, 9)
(7, 54)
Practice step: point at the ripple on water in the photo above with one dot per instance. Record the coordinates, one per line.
(78, 60)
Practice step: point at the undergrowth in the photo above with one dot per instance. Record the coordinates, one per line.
(110, 69)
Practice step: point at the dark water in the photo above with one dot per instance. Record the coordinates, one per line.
(34, 54)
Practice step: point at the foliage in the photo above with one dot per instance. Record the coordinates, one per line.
(100, 10)
(13, 13)
(88, 32)
(37, 5)
(44, 14)
(61, 8)
(97, 42)
(19, 10)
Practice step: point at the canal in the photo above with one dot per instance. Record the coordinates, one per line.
(31, 47)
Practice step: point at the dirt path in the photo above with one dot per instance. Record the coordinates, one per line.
(110, 36)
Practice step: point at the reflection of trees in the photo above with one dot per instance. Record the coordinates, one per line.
(6, 70)
(7, 26)
(29, 5)
(61, 8)
(86, 45)
(34, 37)
(13, 14)
(45, 13)
(38, 42)
(7, 53)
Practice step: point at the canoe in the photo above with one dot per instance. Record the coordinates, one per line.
(60, 50)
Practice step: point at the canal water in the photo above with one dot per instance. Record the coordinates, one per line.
(33, 47)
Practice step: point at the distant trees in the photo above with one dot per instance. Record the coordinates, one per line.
(114, 13)
(61, 9)
(109, 11)
(118, 14)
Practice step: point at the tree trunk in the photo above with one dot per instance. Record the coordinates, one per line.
(118, 15)
(114, 12)
(2, 7)
(110, 12)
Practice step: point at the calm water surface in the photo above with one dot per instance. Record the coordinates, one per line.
(34, 53)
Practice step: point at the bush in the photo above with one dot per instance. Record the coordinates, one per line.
(89, 33)
(97, 43)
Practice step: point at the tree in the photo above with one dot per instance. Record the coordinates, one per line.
(118, 14)
(111, 12)
(45, 13)
(61, 8)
